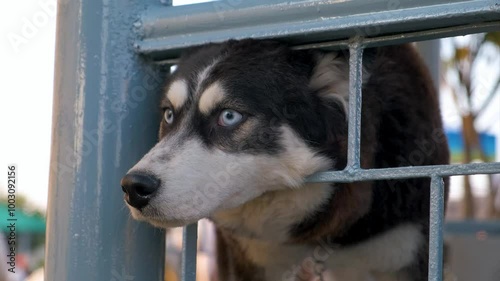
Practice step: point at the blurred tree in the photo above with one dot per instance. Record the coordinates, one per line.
(461, 65)
(23, 204)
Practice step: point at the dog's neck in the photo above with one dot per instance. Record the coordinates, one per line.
(257, 232)
(255, 244)
(273, 261)
(271, 216)
(378, 259)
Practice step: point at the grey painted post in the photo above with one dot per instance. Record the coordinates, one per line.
(105, 118)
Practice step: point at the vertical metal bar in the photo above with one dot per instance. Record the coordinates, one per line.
(436, 229)
(104, 120)
(355, 86)
(189, 246)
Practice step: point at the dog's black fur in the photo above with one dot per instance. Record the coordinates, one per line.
(401, 126)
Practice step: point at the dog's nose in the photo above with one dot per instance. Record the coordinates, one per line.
(139, 188)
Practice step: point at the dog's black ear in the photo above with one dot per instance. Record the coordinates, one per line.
(329, 83)
(333, 113)
(320, 111)
(329, 78)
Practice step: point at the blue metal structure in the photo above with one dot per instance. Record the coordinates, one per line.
(107, 84)
(105, 119)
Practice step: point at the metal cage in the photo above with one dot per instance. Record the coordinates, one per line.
(106, 64)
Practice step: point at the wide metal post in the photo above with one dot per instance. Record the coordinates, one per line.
(105, 118)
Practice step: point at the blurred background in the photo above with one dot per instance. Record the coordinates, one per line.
(470, 100)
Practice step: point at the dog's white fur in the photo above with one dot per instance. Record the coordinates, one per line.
(211, 97)
(269, 216)
(197, 181)
(388, 252)
(260, 197)
(204, 73)
(178, 93)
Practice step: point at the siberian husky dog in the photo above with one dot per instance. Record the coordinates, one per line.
(245, 122)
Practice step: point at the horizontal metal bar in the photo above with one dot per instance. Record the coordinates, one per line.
(408, 36)
(436, 220)
(389, 39)
(472, 227)
(350, 175)
(165, 31)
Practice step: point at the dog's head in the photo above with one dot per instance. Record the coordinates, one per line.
(241, 118)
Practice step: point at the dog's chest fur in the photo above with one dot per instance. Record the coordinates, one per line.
(378, 259)
(260, 230)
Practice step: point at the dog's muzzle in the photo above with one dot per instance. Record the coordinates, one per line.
(139, 188)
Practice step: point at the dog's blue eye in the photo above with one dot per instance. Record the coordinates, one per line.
(169, 115)
(229, 117)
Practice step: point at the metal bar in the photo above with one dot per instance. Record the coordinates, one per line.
(355, 96)
(104, 121)
(407, 36)
(167, 31)
(436, 221)
(390, 39)
(406, 172)
(434, 33)
(189, 249)
(473, 227)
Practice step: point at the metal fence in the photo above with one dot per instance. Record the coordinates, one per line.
(102, 97)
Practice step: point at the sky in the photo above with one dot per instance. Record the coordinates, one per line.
(27, 45)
